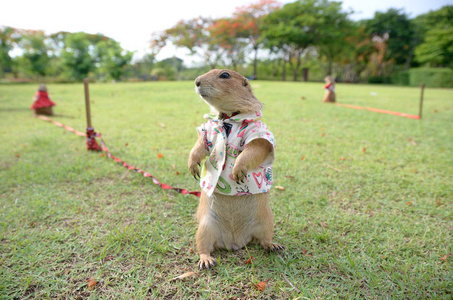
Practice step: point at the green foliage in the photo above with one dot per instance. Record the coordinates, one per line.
(111, 58)
(366, 213)
(401, 33)
(6, 45)
(432, 77)
(436, 31)
(36, 53)
(76, 56)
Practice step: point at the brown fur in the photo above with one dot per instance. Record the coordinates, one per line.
(231, 222)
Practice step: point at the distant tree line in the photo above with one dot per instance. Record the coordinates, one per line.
(265, 40)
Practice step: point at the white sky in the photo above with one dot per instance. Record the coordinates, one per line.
(132, 22)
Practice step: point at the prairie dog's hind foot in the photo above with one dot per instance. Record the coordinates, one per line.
(273, 247)
(206, 261)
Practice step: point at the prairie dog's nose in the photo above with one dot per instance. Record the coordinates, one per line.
(197, 81)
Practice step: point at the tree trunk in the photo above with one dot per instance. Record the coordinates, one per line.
(255, 62)
(284, 70)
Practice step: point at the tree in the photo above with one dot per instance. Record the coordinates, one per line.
(193, 35)
(297, 27)
(76, 56)
(331, 32)
(250, 19)
(8, 38)
(356, 53)
(400, 29)
(33, 44)
(225, 33)
(110, 58)
(435, 30)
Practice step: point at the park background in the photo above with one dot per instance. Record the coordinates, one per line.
(301, 40)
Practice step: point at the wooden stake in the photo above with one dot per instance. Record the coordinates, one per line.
(420, 108)
(87, 102)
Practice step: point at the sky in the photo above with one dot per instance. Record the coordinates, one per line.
(132, 22)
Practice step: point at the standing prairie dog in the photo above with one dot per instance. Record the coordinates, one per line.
(236, 151)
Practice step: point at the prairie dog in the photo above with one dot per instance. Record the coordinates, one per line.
(236, 151)
(329, 95)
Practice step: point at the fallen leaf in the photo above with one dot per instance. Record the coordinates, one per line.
(102, 154)
(414, 171)
(290, 176)
(323, 134)
(414, 143)
(364, 150)
(445, 258)
(17, 155)
(408, 203)
(435, 111)
(248, 261)
(91, 283)
(173, 166)
(127, 144)
(302, 158)
(322, 129)
(183, 276)
(305, 252)
(191, 251)
(324, 224)
(162, 125)
(280, 188)
(342, 158)
(260, 285)
(160, 155)
(67, 271)
(303, 98)
(177, 173)
(438, 202)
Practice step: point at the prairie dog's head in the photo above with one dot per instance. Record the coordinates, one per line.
(227, 92)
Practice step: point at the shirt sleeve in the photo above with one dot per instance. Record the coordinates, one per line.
(259, 130)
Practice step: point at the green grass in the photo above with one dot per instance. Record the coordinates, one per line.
(368, 212)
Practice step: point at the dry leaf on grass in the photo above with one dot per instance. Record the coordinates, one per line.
(183, 276)
(261, 286)
(91, 283)
(445, 258)
(248, 261)
(160, 155)
(280, 188)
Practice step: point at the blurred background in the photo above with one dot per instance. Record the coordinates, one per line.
(390, 42)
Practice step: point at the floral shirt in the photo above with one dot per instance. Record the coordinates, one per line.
(224, 139)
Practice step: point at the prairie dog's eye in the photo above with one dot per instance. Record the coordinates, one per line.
(224, 75)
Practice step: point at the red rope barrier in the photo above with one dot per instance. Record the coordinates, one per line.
(123, 163)
(379, 111)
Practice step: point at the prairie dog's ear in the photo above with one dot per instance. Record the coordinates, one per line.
(245, 82)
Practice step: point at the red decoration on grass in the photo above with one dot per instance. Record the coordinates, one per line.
(124, 164)
(380, 111)
(91, 140)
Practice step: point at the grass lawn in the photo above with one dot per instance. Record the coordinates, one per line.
(367, 210)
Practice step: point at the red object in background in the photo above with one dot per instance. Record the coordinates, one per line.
(91, 140)
(42, 100)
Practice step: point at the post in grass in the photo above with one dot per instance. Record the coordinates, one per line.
(420, 107)
(91, 135)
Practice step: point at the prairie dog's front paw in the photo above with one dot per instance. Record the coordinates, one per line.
(193, 165)
(239, 172)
